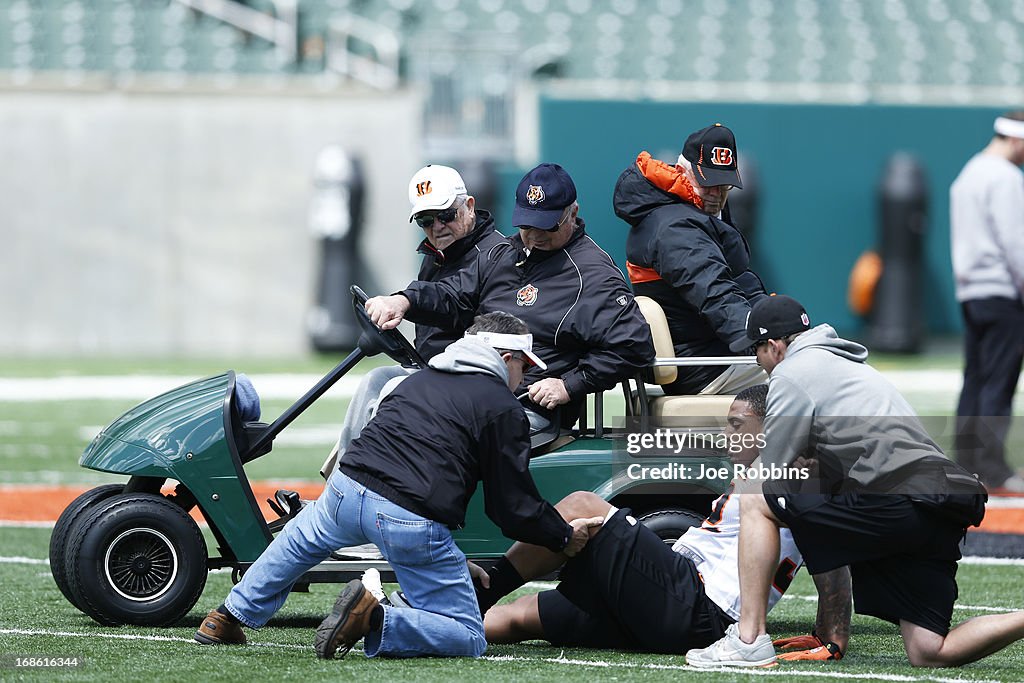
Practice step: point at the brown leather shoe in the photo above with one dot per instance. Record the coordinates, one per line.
(347, 623)
(217, 629)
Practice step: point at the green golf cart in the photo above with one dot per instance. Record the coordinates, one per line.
(129, 554)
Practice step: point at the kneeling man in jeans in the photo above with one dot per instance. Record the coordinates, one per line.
(403, 484)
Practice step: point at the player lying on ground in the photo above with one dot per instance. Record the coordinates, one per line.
(628, 590)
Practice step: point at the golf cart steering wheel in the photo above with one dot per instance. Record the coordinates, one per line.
(374, 340)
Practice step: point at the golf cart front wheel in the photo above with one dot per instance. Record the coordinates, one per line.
(670, 524)
(137, 559)
(62, 532)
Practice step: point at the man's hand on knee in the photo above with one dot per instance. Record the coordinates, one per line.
(582, 529)
(582, 504)
(477, 574)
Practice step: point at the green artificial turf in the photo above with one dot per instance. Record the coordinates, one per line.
(37, 621)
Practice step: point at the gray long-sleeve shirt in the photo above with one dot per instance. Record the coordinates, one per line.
(986, 211)
(825, 402)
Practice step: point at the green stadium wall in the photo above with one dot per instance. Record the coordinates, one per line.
(819, 168)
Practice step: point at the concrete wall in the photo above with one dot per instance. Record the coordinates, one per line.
(153, 223)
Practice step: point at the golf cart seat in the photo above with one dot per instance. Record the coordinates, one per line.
(662, 372)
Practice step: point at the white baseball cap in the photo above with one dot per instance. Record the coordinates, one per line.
(512, 342)
(434, 188)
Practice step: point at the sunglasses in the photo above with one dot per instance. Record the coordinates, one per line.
(527, 363)
(426, 220)
(553, 228)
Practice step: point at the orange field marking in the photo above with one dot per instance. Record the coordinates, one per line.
(38, 503)
(43, 503)
(1003, 521)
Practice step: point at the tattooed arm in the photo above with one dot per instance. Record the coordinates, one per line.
(831, 631)
(834, 606)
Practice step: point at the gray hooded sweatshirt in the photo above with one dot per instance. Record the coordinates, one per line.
(447, 428)
(469, 354)
(465, 355)
(825, 402)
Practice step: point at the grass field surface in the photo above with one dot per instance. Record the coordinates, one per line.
(41, 440)
(37, 621)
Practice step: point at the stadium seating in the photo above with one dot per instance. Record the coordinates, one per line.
(760, 43)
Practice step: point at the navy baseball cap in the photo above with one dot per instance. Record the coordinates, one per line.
(712, 153)
(542, 196)
(774, 317)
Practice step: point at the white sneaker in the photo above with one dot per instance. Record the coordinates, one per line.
(731, 651)
(398, 600)
(371, 581)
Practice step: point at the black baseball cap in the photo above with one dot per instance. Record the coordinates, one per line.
(712, 152)
(773, 317)
(542, 196)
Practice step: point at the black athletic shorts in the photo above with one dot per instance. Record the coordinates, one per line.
(627, 590)
(902, 556)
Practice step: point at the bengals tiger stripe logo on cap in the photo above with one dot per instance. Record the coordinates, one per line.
(721, 156)
(712, 152)
(535, 195)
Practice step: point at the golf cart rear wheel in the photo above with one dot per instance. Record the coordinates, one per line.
(62, 532)
(669, 525)
(136, 559)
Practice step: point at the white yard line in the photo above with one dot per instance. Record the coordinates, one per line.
(1005, 502)
(23, 560)
(548, 585)
(775, 671)
(36, 486)
(1010, 561)
(983, 608)
(4, 523)
(783, 671)
(926, 380)
(270, 386)
(293, 385)
(968, 608)
(316, 435)
(128, 636)
(51, 478)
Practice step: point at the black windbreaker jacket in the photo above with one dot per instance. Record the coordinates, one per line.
(584, 322)
(437, 265)
(706, 286)
(439, 433)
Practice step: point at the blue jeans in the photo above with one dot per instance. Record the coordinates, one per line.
(444, 619)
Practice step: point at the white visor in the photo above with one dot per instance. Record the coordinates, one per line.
(1009, 127)
(512, 342)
